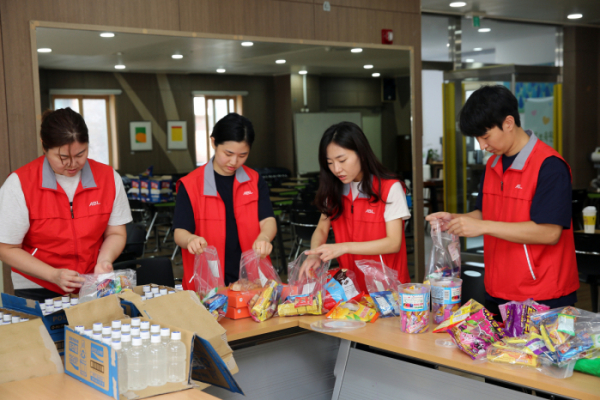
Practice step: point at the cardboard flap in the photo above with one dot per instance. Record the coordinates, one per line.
(208, 367)
(183, 309)
(20, 304)
(27, 351)
(105, 310)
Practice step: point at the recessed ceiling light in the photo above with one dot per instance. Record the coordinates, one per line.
(221, 70)
(356, 50)
(303, 72)
(119, 66)
(44, 50)
(477, 49)
(247, 44)
(177, 56)
(469, 60)
(575, 16)
(107, 34)
(447, 44)
(457, 4)
(280, 61)
(483, 30)
(375, 74)
(368, 66)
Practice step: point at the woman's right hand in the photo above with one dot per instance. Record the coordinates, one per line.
(196, 244)
(442, 216)
(311, 263)
(67, 279)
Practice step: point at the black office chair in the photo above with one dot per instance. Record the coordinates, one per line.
(158, 270)
(135, 244)
(303, 224)
(587, 251)
(473, 286)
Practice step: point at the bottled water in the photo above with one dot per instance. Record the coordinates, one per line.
(106, 330)
(136, 368)
(74, 301)
(66, 305)
(145, 325)
(176, 359)
(24, 319)
(157, 362)
(135, 331)
(116, 334)
(135, 322)
(88, 332)
(126, 328)
(155, 290)
(163, 292)
(57, 305)
(125, 342)
(43, 308)
(116, 324)
(145, 335)
(146, 288)
(49, 309)
(97, 336)
(97, 327)
(179, 287)
(7, 319)
(15, 319)
(66, 299)
(106, 340)
(79, 328)
(155, 330)
(171, 291)
(121, 366)
(149, 295)
(165, 334)
(49, 302)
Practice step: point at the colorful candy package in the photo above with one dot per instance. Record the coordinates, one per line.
(353, 310)
(382, 286)
(538, 307)
(444, 261)
(470, 307)
(414, 307)
(306, 292)
(340, 288)
(445, 298)
(511, 355)
(216, 305)
(96, 286)
(476, 333)
(264, 305)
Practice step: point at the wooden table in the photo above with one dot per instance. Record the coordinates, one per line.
(63, 387)
(385, 334)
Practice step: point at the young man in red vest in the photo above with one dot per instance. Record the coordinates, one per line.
(523, 209)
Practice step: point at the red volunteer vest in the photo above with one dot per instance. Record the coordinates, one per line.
(209, 212)
(64, 239)
(516, 271)
(363, 221)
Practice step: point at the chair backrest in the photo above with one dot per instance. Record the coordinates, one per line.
(305, 217)
(158, 270)
(587, 252)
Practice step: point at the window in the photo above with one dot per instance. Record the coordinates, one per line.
(98, 112)
(208, 110)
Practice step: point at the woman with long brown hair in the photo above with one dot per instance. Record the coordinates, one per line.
(363, 202)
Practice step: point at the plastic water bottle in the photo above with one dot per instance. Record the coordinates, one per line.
(126, 328)
(157, 362)
(49, 309)
(146, 288)
(97, 336)
(125, 342)
(135, 331)
(135, 322)
(15, 319)
(149, 295)
(145, 335)
(7, 319)
(145, 325)
(155, 290)
(121, 366)
(163, 292)
(176, 359)
(171, 292)
(66, 305)
(74, 301)
(116, 334)
(88, 332)
(106, 340)
(97, 327)
(106, 330)
(66, 299)
(57, 305)
(24, 319)
(165, 335)
(116, 324)
(79, 328)
(42, 307)
(155, 329)
(179, 287)
(136, 368)
(49, 302)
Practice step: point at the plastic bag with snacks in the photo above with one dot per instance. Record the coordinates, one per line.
(207, 272)
(340, 287)
(254, 272)
(382, 285)
(445, 254)
(307, 291)
(101, 285)
(476, 333)
(264, 305)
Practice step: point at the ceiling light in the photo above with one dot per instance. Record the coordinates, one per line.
(119, 66)
(247, 44)
(447, 44)
(483, 30)
(44, 50)
(469, 60)
(176, 56)
(375, 74)
(303, 72)
(368, 66)
(279, 61)
(457, 4)
(477, 49)
(356, 50)
(575, 16)
(220, 70)
(107, 34)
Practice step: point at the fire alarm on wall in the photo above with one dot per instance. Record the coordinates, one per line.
(387, 36)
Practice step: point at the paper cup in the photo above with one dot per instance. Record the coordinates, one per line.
(589, 219)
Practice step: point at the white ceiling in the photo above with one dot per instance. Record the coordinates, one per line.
(86, 51)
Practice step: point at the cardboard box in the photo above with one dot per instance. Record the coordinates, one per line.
(129, 308)
(95, 363)
(238, 299)
(27, 351)
(55, 322)
(237, 313)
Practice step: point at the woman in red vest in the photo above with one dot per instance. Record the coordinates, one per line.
(363, 202)
(224, 203)
(62, 214)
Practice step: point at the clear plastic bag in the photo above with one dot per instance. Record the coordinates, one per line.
(101, 285)
(254, 272)
(306, 293)
(445, 254)
(382, 285)
(207, 273)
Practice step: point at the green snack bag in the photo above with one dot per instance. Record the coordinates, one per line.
(587, 366)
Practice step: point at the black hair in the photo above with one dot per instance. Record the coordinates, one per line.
(349, 136)
(62, 127)
(487, 108)
(233, 127)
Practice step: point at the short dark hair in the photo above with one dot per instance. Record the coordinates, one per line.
(487, 108)
(62, 127)
(233, 127)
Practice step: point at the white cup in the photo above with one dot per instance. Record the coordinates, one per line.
(589, 219)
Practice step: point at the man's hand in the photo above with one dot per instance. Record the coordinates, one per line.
(466, 226)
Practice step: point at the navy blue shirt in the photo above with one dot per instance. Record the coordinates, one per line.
(184, 219)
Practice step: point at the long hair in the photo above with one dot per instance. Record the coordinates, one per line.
(349, 136)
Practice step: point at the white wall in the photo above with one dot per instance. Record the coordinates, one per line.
(433, 117)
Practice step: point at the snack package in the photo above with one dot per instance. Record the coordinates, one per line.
(470, 307)
(538, 307)
(511, 355)
(476, 333)
(263, 305)
(101, 285)
(445, 298)
(341, 286)
(216, 305)
(207, 272)
(353, 310)
(306, 293)
(256, 270)
(414, 307)
(244, 285)
(445, 254)
(517, 316)
(382, 286)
